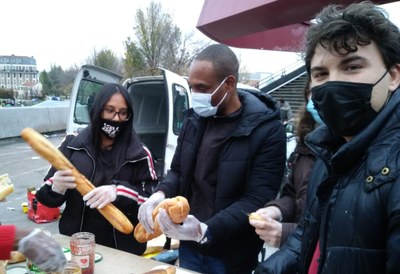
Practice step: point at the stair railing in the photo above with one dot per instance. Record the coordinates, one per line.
(282, 72)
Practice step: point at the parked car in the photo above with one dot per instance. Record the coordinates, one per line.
(52, 103)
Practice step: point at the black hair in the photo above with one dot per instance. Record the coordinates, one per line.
(305, 122)
(223, 59)
(121, 140)
(342, 29)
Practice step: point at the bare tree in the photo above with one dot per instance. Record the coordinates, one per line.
(158, 42)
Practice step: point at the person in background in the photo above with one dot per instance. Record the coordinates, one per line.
(39, 248)
(286, 111)
(230, 142)
(351, 222)
(281, 215)
(109, 153)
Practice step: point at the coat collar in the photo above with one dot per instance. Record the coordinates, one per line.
(257, 108)
(342, 155)
(134, 150)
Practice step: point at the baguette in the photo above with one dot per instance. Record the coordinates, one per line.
(169, 270)
(177, 208)
(49, 152)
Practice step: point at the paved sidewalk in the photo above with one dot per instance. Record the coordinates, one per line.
(25, 168)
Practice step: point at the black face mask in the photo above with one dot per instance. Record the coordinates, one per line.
(112, 128)
(345, 107)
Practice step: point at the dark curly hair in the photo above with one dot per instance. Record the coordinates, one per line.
(305, 122)
(342, 29)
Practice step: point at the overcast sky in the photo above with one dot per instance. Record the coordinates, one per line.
(65, 32)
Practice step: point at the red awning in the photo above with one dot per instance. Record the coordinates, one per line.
(261, 24)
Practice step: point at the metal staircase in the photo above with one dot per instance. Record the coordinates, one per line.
(287, 84)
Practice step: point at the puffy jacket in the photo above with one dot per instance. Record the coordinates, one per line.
(131, 180)
(292, 199)
(353, 204)
(250, 171)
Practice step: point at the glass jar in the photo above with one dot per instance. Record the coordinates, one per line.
(71, 268)
(82, 245)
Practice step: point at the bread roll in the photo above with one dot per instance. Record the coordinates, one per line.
(169, 270)
(6, 186)
(255, 216)
(156, 271)
(177, 208)
(6, 190)
(16, 257)
(48, 151)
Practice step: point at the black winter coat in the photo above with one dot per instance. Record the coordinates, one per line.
(250, 171)
(353, 204)
(130, 178)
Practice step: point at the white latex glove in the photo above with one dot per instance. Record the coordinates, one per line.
(62, 180)
(145, 214)
(101, 196)
(190, 230)
(43, 251)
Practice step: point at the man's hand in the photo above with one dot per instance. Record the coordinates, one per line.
(43, 251)
(101, 196)
(190, 230)
(145, 214)
(62, 181)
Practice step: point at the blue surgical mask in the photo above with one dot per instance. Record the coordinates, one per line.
(314, 113)
(201, 102)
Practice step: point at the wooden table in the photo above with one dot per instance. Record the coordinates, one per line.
(116, 261)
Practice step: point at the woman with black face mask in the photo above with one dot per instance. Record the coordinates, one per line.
(109, 153)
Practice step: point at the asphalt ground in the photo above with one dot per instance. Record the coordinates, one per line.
(26, 169)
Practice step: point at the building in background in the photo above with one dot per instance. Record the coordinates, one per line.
(20, 74)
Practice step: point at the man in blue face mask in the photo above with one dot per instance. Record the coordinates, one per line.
(229, 160)
(351, 223)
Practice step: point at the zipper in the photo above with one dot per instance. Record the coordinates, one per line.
(91, 177)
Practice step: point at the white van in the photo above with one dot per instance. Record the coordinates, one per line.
(158, 102)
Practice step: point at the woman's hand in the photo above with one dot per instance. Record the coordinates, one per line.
(269, 229)
(62, 181)
(101, 196)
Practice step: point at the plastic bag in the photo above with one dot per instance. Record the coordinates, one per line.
(40, 213)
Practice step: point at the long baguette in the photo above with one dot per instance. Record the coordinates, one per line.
(49, 152)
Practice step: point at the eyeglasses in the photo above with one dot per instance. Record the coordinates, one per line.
(123, 114)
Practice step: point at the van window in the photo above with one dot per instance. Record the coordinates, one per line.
(86, 92)
(181, 102)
